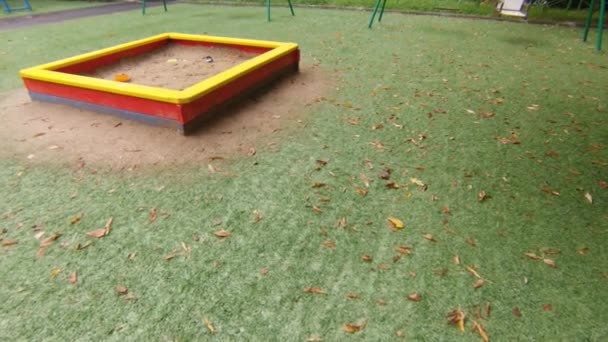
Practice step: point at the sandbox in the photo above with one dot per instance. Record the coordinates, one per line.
(243, 66)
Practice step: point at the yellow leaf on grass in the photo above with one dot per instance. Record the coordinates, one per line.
(473, 272)
(396, 223)
(209, 326)
(457, 317)
(55, 272)
(416, 181)
(588, 197)
(482, 332)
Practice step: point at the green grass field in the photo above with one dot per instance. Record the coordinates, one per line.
(515, 111)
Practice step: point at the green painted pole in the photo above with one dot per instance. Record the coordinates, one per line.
(382, 11)
(143, 7)
(569, 5)
(268, 9)
(580, 4)
(165, 5)
(371, 20)
(600, 25)
(291, 8)
(588, 21)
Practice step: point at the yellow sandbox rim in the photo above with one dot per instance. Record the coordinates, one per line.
(45, 72)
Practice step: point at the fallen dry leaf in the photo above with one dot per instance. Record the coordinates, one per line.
(456, 260)
(222, 233)
(429, 237)
(41, 252)
(121, 289)
(341, 222)
(76, 219)
(516, 312)
(318, 185)
(481, 196)
(97, 233)
(153, 215)
(547, 307)
(55, 272)
(392, 185)
(39, 134)
(209, 326)
(251, 151)
(532, 256)
(264, 271)
(473, 272)
(39, 235)
(479, 283)
(486, 115)
(48, 241)
(395, 223)
(404, 249)
(417, 181)
(383, 267)
(353, 328)
(353, 296)
(73, 278)
(80, 247)
(415, 297)
(445, 209)
(385, 174)
(316, 208)
(367, 258)
(6, 243)
(471, 242)
(457, 317)
(550, 262)
(257, 216)
(329, 244)
(583, 251)
(361, 191)
(588, 197)
(314, 290)
(482, 332)
(487, 309)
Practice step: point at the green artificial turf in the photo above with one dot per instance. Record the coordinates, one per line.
(46, 6)
(446, 92)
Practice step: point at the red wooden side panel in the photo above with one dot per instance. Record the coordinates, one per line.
(124, 102)
(255, 78)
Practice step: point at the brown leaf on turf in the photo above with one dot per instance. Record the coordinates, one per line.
(445, 209)
(603, 184)
(341, 222)
(517, 312)
(153, 215)
(6, 243)
(80, 247)
(353, 296)
(314, 290)
(384, 174)
(76, 219)
(317, 209)
(121, 289)
(532, 256)
(457, 317)
(487, 309)
(415, 297)
(257, 216)
(318, 184)
(473, 272)
(479, 283)
(324, 199)
(353, 328)
(49, 241)
(329, 244)
(377, 144)
(365, 180)
(441, 272)
(547, 307)
(73, 278)
(550, 191)
(550, 251)
(583, 251)
(471, 242)
(404, 249)
(429, 237)
(361, 191)
(486, 115)
(172, 255)
(367, 258)
(482, 332)
(481, 196)
(209, 326)
(97, 233)
(41, 252)
(392, 185)
(412, 274)
(588, 197)
(222, 233)
(383, 267)
(550, 262)
(395, 223)
(396, 257)
(456, 260)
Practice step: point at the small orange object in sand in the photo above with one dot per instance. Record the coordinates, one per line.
(122, 78)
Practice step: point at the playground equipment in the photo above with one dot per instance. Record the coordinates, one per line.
(371, 20)
(513, 8)
(9, 9)
(143, 6)
(268, 8)
(600, 23)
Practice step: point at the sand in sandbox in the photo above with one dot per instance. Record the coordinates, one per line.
(175, 66)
